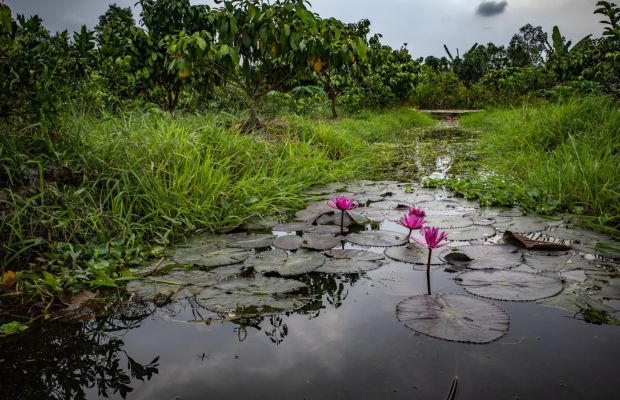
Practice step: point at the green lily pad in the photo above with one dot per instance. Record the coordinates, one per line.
(556, 263)
(327, 188)
(288, 242)
(449, 221)
(298, 263)
(509, 285)
(454, 317)
(524, 224)
(344, 266)
(354, 254)
(412, 254)
(495, 256)
(439, 205)
(325, 229)
(391, 205)
(319, 242)
(254, 295)
(380, 215)
(333, 218)
(466, 233)
(378, 238)
(210, 256)
(292, 227)
(313, 211)
(252, 241)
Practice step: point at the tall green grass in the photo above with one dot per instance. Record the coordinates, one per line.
(388, 126)
(563, 157)
(152, 178)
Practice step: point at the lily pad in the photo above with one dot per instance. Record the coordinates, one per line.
(483, 256)
(380, 215)
(209, 256)
(466, 233)
(440, 205)
(391, 205)
(312, 211)
(255, 295)
(556, 263)
(319, 242)
(454, 317)
(344, 266)
(509, 285)
(279, 262)
(288, 242)
(324, 189)
(252, 241)
(354, 254)
(378, 238)
(325, 229)
(412, 254)
(292, 227)
(524, 224)
(451, 221)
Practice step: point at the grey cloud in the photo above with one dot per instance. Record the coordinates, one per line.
(491, 8)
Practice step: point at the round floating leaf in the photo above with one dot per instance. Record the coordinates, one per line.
(578, 235)
(313, 211)
(354, 254)
(466, 233)
(288, 242)
(449, 221)
(378, 238)
(602, 249)
(496, 256)
(333, 218)
(344, 266)
(324, 189)
(509, 285)
(453, 317)
(252, 241)
(254, 295)
(524, 224)
(325, 229)
(278, 261)
(381, 215)
(412, 198)
(412, 254)
(391, 205)
(209, 256)
(293, 227)
(319, 242)
(556, 263)
(440, 205)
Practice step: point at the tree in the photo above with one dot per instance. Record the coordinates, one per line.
(341, 47)
(260, 46)
(529, 47)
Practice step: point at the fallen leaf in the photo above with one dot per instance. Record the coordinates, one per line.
(535, 244)
(8, 279)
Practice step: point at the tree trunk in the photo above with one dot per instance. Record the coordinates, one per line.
(332, 97)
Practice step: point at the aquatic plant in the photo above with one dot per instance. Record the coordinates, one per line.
(433, 239)
(412, 221)
(417, 212)
(343, 204)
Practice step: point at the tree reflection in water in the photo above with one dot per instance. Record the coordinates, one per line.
(64, 360)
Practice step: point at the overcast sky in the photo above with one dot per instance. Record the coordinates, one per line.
(424, 24)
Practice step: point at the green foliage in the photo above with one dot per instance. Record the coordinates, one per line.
(12, 328)
(441, 90)
(38, 69)
(563, 157)
(598, 317)
(514, 85)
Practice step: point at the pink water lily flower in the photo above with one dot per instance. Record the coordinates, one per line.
(343, 203)
(432, 238)
(411, 221)
(417, 212)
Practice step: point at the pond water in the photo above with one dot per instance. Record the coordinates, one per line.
(339, 337)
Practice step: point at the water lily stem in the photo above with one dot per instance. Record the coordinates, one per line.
(428, 271)
(342, 222)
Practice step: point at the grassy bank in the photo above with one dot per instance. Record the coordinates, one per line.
(81, 203)
(555, 157)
